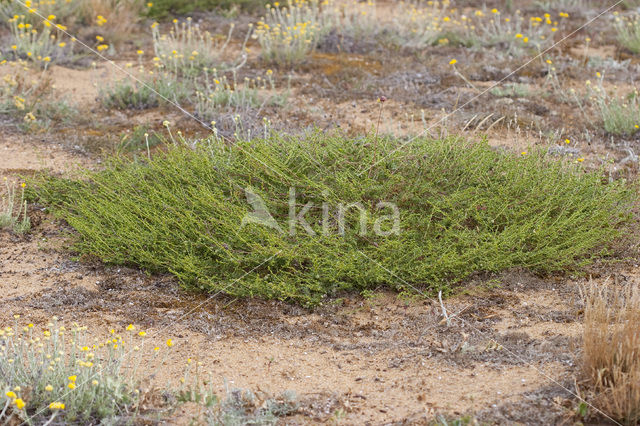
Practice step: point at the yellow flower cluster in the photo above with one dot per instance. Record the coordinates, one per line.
(288, 33)
(58, 365)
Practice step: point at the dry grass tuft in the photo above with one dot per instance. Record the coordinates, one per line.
(121, 18)
(611, 344)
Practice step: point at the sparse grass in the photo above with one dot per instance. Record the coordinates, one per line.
(239, 407)
(221, 95)
(515, 90)
(149, 92)
(116, 20)
(610, 359)
(620, 115)
(187, 50)
(13, 211)
(30, 100)
(139, 139)
(628, 29)
(464, 208)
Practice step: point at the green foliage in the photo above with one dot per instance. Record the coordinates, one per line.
(464, 208)
(138, 139)
(136, 94)
(515, 90)
(165, 8)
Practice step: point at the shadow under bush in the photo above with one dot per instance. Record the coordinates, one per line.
(464, 208)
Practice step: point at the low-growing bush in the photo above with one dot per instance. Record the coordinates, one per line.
(164, 8)
(462, 208)
(140, 94)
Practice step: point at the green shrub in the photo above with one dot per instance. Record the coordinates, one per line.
(464, 208)
(164, 8)
(138, 94)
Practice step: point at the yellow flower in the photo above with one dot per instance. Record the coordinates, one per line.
(11, 394)
(56, 406)
(72, 378)
(102, 47)
(71, 385)
(453, 62)
(19, 403)
(99, 38)
(580, 160)
(46, 59)
(567, 141)
(48, 388)
(519, 35)
(51, 17)
(169, 342)
(131, 327)
(140, 52)
(149, 4)
(142, 333)
(523, 153)
(549, 61)
(14, 47)
(156, 349)
(166, 123)
(62, 44)
(29, 117)
(94, 382)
